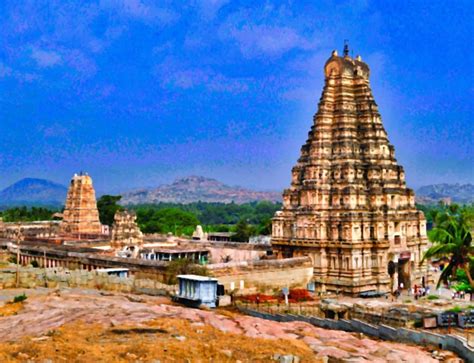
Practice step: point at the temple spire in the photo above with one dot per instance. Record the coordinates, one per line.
(346, 48)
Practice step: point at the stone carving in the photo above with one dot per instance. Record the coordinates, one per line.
(348, 206)
(81, 216)
(125, 231)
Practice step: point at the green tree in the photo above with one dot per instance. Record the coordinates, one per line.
(24, 214)
(108, 206)
(183, 266)
(452, 239)
(166, 220)
(243, 231)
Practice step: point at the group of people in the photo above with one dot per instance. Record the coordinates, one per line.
(419, 291)
(459, 295)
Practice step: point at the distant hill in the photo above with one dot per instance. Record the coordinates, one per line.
(455, 193)
(33, 192)
(197, 188)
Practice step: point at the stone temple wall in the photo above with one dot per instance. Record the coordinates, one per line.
(263, 275)
(59, 277)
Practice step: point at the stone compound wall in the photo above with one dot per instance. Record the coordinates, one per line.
(220, 251)
(245, 276)
(59, 277)
(263, 275)
(453, 343)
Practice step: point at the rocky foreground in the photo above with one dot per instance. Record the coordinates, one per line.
(87, 325)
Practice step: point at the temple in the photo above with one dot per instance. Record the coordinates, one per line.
(125, 231)
(348, 207)
(81, 217)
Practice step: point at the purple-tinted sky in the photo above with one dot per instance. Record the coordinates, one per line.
(140, 92)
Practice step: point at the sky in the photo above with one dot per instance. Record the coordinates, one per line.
(140, 92)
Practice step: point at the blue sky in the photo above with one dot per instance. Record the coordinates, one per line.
(140, 92)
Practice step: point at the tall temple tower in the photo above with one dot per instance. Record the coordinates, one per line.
(81, 216)
(348, 206)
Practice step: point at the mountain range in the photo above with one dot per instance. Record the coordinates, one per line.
(33, 192)
(41, 192)
(197, 188)
(455, 193)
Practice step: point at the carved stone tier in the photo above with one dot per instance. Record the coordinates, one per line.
(348, 206)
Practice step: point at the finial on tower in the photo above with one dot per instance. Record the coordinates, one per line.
(346, 48)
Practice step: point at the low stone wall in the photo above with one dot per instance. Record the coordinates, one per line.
(263, 275)
(453, 343)
(221, 251)
(59, 277)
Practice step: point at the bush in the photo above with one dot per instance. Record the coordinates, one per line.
(183, 266)
(20, 298)
(35, 263)
(261, 298)
(418, 324)
(433, 297)
(300, 295)
(12, 259)
(456, 309)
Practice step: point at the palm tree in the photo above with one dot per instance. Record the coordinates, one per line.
(452, 239)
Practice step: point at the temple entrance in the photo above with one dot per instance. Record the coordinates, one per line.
(404, 270)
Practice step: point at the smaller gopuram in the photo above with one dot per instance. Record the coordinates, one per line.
(81, 216)
(125, 230)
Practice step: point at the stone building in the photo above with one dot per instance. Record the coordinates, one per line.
(81, 216)
(125, 230)
(348, 206)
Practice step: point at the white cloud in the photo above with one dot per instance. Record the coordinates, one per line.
(5, 71)
(146, 11)
(255, 40)
(46, 58)
(210, 8)
(213, 81)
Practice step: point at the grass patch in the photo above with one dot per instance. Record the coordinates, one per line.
(433, 297)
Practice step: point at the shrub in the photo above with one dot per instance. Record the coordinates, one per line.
(20, 298)
(433, 297)
(183, 266)
(456, 309)
(12, 259)
(300, 295)
(261, 298)
(418, 324)
(34, 263)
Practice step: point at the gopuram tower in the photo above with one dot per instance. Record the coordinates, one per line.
(81, 216)
(348, 206)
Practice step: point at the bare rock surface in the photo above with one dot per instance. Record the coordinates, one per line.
(46, 312)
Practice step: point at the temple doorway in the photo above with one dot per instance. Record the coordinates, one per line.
(404, 271)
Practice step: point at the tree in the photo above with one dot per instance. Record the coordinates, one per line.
(243, 231)
(452, 239)
(107, 206)
(166, 220)
(183, 266)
